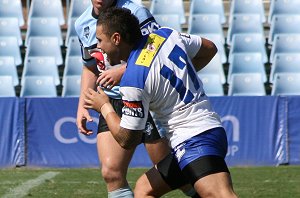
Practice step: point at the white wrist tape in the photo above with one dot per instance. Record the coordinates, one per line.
(106, 109)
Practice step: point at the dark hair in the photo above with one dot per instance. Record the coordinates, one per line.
(122, 21)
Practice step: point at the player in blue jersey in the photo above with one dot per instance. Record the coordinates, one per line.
(161, 77)
(114, 159)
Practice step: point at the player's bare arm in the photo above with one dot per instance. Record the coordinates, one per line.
(126, 138)
(88, 79)
(206, 52)
(99, 101)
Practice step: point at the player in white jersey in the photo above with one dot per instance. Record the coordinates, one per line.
(161, 77)
(114, 159)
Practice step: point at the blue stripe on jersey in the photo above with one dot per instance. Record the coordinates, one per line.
(175, 55)
(135, 76)
(164, 32)
(185, 95)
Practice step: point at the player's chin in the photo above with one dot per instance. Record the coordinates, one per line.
(99, 6)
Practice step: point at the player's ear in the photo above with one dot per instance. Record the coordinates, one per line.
(116, 37)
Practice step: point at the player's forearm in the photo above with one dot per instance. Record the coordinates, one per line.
(126, 138)
(88, 80)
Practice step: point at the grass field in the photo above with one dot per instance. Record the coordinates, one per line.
(275, 182)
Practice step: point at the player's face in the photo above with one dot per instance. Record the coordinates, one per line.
(108, 44)
(100, 5)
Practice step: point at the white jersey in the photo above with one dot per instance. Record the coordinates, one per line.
(160, 77)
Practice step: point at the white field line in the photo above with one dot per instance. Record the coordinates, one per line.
(24, 188)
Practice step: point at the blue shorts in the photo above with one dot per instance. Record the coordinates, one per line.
(210, 143)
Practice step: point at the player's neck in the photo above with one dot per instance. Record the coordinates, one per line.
(95, 13)
(125, 51)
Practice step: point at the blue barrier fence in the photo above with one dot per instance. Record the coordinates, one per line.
(42, 132)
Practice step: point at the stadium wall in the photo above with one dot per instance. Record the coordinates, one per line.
(42, 132)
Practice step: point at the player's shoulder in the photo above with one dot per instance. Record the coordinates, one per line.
(85, 27)
(83, 18)
(143, 57)
(140, 11)
(129, 5)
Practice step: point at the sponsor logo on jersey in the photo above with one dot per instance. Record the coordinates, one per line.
(86, 32)
(149, 27)
(150, 49)
(133, 108)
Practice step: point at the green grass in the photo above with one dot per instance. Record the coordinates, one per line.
(283, 181)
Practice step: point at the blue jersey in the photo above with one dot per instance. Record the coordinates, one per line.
(85, 27)
(166, 83)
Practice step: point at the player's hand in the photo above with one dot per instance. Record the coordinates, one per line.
(111, 77)
(82, 117)
(95, 100)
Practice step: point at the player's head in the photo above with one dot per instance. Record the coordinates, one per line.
(100, 5)
(117, 32)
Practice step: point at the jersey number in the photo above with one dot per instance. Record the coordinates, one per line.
(179, 57)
